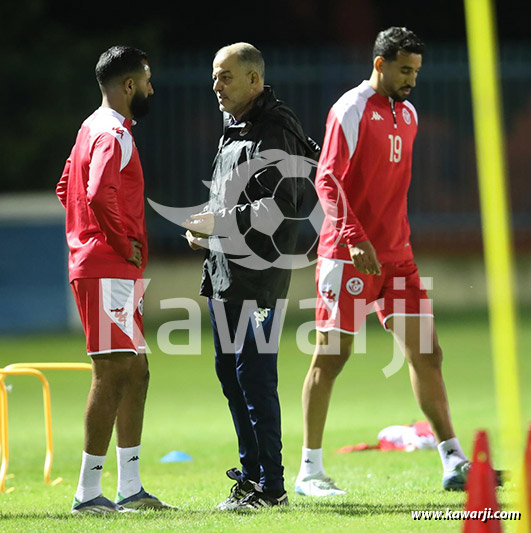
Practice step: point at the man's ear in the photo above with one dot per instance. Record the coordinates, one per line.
(129, 85)
(378, 61)
(255, 78)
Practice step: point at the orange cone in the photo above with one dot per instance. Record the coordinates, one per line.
(481, 490)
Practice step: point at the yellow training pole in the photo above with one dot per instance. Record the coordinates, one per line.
(490, 150)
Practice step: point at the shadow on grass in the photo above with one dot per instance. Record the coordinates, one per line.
(366, 509)
(342, 508)
(68, 516)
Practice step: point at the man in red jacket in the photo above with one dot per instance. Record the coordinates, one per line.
(365, 256)
(102, 190)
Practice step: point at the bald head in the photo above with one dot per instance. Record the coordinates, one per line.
(238, 77)
(247, 55)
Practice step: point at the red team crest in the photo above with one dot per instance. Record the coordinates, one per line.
(355, 286)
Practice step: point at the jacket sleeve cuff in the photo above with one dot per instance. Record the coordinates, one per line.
(353, 240)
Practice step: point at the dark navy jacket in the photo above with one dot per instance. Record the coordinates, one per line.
(256, 186)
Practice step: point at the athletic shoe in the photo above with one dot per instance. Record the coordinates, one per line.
(456, 478)
(143, 500)
(239, 490)
(98, 505)
(319, 485)
(257, 499)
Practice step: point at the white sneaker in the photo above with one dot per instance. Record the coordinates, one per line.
(319, 485)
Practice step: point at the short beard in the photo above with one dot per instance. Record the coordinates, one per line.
(139, 105)
(398, 98)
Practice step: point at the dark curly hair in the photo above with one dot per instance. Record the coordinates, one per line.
(390, 41)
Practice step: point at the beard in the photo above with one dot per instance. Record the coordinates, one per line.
(139, 105)
(398, 97)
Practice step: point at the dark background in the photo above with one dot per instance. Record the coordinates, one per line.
(50, 49)
(315, 50)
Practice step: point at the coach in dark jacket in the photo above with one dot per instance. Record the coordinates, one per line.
(256, 190)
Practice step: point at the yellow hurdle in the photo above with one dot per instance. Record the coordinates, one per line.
(51, 366)
(30, 369)
(5, 425)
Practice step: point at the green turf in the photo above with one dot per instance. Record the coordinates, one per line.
(186, 411)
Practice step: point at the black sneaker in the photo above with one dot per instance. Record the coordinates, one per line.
(258, 499)
(238, 491)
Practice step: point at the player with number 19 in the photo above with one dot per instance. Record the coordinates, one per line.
(365, 256)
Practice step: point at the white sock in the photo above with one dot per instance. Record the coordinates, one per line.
(89, 485)
(128, 471)
(311, 463)
(451, 453)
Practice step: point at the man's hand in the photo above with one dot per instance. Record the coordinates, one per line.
(136, 256)
(196, 240)
(202, 224)
(364, 257)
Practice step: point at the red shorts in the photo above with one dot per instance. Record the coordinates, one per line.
(111, 313)
(345, 296)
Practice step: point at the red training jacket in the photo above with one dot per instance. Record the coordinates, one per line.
(364, 174)
(102, 190)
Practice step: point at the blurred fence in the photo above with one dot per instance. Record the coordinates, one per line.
(179, 138)
(34, 291)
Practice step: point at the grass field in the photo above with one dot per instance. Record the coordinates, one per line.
(186, 411)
